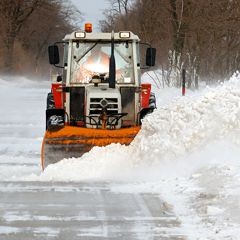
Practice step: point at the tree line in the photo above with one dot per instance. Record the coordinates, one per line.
(201, 36)
(27, 27)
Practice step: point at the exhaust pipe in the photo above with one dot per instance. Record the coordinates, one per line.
(112, 65)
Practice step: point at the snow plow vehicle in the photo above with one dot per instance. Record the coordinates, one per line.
(98, 99)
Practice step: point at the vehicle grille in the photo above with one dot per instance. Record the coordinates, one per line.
(96, 107)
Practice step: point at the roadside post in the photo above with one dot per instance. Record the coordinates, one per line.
(183, 82)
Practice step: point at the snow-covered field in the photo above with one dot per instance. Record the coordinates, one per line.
(182, 168)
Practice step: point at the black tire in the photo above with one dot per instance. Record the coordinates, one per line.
(50, 101)
(152, 101)
(151, 106)
(54, 117)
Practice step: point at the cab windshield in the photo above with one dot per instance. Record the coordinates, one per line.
(92, 58)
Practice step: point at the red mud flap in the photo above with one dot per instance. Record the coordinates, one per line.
(75, 141)
(146, 92)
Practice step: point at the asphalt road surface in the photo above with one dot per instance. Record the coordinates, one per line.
(38, 210)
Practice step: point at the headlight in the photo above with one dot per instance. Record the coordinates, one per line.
(124, 34)
(80, 34)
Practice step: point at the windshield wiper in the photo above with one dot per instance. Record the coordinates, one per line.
(85, 53)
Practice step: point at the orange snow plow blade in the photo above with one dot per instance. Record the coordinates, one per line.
(75, 141)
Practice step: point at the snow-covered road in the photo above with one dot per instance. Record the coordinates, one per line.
(82, 211)
(179, 179)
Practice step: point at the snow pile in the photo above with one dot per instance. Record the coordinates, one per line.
(98, 164)
(186, 123)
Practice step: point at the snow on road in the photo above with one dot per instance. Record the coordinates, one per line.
(184, 165)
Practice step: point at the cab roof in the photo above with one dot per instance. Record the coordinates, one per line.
(101, 36)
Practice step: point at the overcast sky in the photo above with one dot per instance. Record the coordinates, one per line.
(92, 10)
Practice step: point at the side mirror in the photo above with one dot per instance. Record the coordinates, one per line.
(150, 57)
(53, 54)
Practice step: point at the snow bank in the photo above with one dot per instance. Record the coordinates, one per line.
(191, 121)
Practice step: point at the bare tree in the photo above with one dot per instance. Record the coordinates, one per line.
(13, 14)
(117, 16)
(28, 27)
(57, 22)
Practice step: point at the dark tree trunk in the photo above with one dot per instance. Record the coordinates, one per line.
(9, 57)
